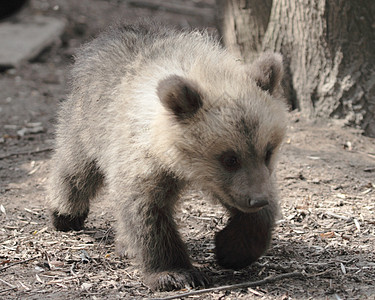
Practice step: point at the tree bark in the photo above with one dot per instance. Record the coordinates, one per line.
(329, 52)
(243, 24)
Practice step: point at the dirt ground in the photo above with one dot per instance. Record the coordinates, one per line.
(326, 177)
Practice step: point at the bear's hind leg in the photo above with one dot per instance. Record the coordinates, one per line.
(71, 188)
(245, 238)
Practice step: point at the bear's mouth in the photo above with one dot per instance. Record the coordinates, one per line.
(248, 209)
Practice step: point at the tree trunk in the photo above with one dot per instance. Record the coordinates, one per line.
(329, 52)
(243, 24)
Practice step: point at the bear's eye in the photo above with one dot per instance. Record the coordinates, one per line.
(230, 161)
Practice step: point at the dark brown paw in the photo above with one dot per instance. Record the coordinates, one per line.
(67, 223)
(232, 253)
(242, 242)
(176, 280)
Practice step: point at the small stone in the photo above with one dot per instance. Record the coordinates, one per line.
(86, 286)
(22, 132)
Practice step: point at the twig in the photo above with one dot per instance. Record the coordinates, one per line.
(7, 290)
(25, 153)
(331, 214)
(7, 283)
(105, 237)
(61, 280)
(235, 286)
(18, 262)
(72, 269)
(48, 260)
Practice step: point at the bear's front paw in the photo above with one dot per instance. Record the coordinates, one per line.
(239, 244)
(232, 254)
(67, 223)
(176, 280)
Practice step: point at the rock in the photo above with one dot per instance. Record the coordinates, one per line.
(25, 39)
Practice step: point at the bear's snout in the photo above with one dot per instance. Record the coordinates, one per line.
(257, 202)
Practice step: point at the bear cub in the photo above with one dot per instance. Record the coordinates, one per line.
(153, 110)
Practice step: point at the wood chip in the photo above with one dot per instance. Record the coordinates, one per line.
(365, 192)
(86, 286)
(255, 292)
(357, 224)
(342, 268)
(327, 235)
(341, 196)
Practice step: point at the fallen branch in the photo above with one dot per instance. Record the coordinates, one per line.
(25, 153)
(18, 262)
(61, 280)
(235, 286)
(7, 290)
(7, 283)
(333, 215)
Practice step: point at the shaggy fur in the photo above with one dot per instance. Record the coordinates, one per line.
(152, 110)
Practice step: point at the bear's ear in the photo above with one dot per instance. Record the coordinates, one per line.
(180, 96)
(267, 71)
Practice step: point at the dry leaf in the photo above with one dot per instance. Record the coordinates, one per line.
(327, 235)
(56, 264)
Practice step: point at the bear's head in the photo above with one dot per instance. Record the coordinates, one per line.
(223, 133)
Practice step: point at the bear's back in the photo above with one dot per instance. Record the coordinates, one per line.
(125, 51)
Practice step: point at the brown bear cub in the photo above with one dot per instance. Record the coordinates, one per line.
(153, 110)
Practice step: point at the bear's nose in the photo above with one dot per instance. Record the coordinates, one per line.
(258, 202)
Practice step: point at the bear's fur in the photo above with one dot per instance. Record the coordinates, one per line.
(152, 110)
